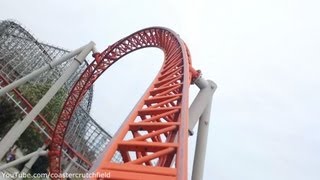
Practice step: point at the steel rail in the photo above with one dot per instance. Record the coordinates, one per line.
(161, 114)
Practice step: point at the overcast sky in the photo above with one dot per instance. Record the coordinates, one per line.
(263, 55)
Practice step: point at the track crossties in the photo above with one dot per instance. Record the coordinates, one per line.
(153, 140)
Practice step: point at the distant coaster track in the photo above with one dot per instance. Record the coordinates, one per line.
(153, 140)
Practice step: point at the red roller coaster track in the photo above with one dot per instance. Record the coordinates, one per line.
(153, 140)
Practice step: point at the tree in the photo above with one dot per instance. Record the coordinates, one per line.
(34, 92)
(31, 139)
(8, 115)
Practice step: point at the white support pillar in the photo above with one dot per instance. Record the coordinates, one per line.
(23, 159)
(67, 169)
(30, 163)
(11, 133)
(9, 140)
(202, 137)
(200, 102)
(37, 72)
(200, 111)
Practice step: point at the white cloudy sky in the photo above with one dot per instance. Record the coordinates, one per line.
(264, 56)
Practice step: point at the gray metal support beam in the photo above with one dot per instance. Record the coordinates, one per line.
(202, 138)
(200, 102)
(200, 111)
(24, 159)
(10, 138)
(37, 72)
(67, 169)
(30, 163)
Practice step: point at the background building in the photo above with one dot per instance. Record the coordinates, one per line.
(20, 54)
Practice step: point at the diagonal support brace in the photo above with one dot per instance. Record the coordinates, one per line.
(200, 111)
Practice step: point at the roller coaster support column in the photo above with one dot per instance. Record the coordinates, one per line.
(200, 110)
(39, 152)
(67, 169)
(31, 162)
(37, 72)
(11, 137)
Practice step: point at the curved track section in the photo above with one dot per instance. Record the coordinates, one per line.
(153, 139)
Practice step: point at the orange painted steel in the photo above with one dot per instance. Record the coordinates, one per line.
(153, 140)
